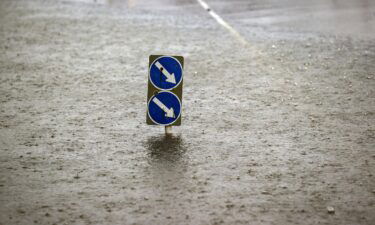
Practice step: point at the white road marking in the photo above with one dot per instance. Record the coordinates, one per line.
(170, 77)
(168, 112)
(222, 22)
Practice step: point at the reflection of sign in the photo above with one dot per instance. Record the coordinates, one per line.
(164, 96)
(164, 108)
(165, 73)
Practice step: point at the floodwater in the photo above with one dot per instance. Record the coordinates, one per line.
(279, 130)
(340, 17)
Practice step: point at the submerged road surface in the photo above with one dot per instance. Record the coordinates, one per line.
(278, 117)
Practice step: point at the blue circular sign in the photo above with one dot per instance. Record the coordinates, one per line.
(166, 73)
(164, 108)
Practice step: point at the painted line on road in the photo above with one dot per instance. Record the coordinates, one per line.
(223, 22)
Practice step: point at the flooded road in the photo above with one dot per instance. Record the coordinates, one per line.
(336, 17)
(353, 18)
(279, 130)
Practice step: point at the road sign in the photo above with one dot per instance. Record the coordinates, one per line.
(165, 72)
(164, 96)
(164, 108)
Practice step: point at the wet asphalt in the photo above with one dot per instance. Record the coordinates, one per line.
(277, 130)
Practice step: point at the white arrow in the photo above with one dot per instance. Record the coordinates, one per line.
(170, 77)
(168, 112)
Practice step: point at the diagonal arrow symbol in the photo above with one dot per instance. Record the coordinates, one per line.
(168, 112)
(170, 77)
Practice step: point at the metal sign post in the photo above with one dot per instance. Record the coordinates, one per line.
(164, 95)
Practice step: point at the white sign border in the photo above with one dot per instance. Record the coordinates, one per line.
(149, 73)
(148, 109)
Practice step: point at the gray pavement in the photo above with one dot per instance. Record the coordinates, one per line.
(278, 131)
